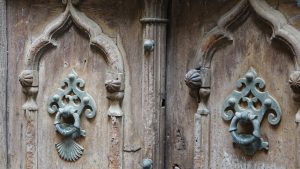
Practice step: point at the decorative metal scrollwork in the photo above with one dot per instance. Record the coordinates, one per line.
(248, 105)
(68, 104)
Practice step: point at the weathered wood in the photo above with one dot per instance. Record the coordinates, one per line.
(197, 17)
(159, 118)
(231, 63)
(3, 85)
(153, 81)
(104, 141)
(248, 50)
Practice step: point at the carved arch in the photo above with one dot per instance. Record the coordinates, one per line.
(113, 57)
(198, 79)
(281, 30)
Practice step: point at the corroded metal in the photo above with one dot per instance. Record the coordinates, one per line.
(147, 163)
(298, 3)
(149, 45)
(68, 104)
(248, 105)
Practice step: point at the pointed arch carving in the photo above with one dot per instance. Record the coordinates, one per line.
(281, 30)
(113, 57)
(199, 79)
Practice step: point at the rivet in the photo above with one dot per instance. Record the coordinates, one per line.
(149, 45)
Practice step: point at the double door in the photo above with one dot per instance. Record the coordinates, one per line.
(138, 84)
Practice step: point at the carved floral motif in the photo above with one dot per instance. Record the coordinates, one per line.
(26, 78)
(193, 79)
(198, 80)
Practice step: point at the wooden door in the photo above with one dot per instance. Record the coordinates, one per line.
(50, 41)
(147, 81)
(223, 40)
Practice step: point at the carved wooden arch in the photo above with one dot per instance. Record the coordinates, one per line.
(115, 78)
(199, 78)
(281, 29)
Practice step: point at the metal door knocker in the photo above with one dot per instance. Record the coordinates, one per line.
(68, 104)
(248, 105)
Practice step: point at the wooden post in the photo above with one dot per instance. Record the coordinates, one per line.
(153, 82)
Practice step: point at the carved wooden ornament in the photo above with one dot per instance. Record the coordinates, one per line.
(281, 30)
(115, 78)
(29, 78)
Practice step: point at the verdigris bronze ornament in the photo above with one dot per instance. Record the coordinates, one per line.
(68, 103)
(147, 163)
(248, 105)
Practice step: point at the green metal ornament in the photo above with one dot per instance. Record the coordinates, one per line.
(248, 105)
(68, 103)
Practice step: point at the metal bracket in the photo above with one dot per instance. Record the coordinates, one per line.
(68, 104)
(248, 105)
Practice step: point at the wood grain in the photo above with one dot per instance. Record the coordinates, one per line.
(153, 83)
(3, 89)
(159, 114)
(73, 52)
(251, 46)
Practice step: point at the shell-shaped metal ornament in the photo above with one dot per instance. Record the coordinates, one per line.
(69, 150)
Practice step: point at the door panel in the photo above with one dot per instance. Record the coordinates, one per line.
(107, 42)
(33, 137)
(244, 43)
(190, 20)
(252, 48)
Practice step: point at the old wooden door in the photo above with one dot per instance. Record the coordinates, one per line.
(149, 84)
(227, 39)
